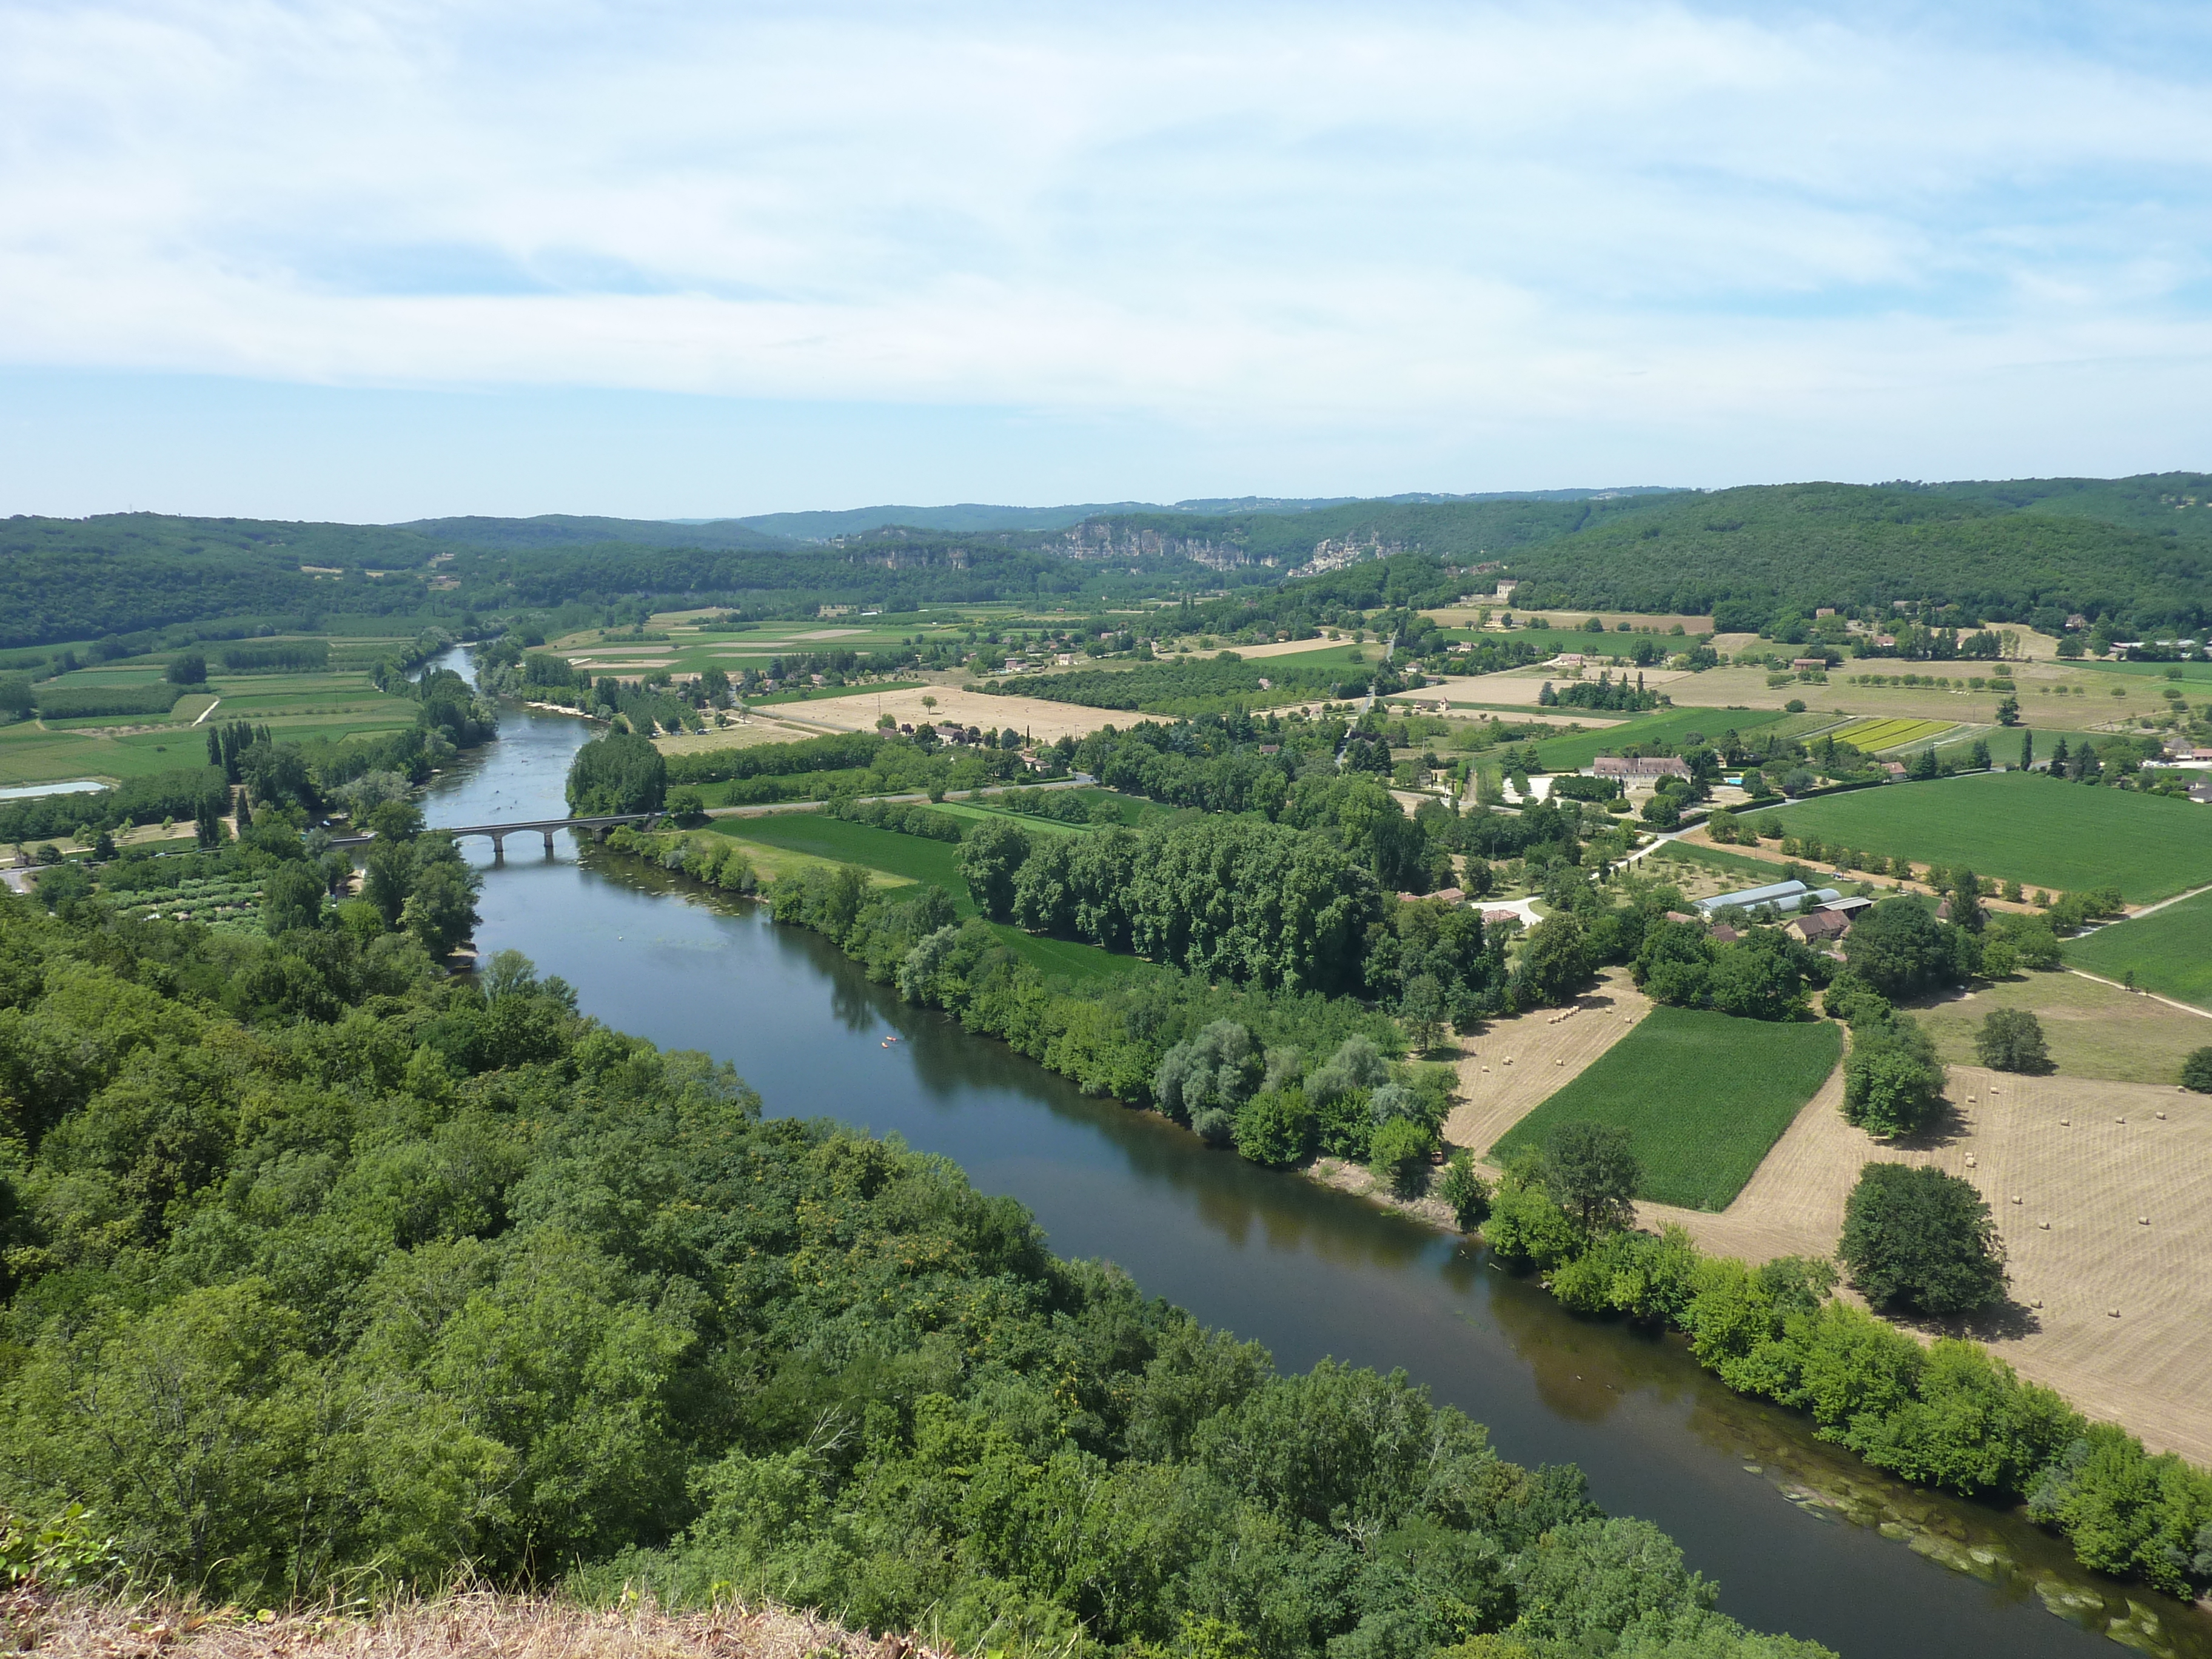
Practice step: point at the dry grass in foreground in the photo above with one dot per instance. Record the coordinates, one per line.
(475, 1626)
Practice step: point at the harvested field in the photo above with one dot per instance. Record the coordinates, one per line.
(1045, 721)
(1509, 1069)
(2058, 1143)
(737, 735)
(478, 1627)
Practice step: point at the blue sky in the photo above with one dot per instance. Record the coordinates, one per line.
(381, 259)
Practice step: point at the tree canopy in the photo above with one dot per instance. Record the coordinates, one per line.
(1918, 1237)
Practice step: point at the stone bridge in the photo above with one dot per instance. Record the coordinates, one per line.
(498, 833)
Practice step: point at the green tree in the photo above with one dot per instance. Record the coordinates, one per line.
(619, 773)
(440, 909)
(1591, 1171)
(1899, 950)
(1892, 1082)
(2197, 1070)
(186, 668)
(2011, 1040)
(988, 861)
(1399, 1155)
(1918, 1237)
(1555, 963)
(291, 897)
(1422, 1009)
(1464, 1191)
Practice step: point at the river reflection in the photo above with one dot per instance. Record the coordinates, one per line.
(1306, 1270)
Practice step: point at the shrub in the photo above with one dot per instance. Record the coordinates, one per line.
(1923, 1239)
(1526, 1228)
(1399, 1155)
(1464, 1191)
(2011, 1040)
(1276, 1127)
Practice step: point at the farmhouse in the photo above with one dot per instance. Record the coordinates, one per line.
(1820, 927)
(1637, 769)
(1802, 663)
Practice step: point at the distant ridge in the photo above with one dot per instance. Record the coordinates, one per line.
(969, 517)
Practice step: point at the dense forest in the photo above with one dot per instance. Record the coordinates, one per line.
(2136, 551)
(322, 1262)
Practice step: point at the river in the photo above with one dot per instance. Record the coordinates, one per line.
(1309, 1272)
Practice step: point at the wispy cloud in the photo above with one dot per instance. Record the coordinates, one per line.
(1708, 227)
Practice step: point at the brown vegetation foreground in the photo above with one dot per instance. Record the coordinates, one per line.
(477, 1625)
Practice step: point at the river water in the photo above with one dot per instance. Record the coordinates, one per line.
(1309, 1272)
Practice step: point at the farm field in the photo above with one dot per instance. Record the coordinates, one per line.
(1704, 1095)
(823, 693)
(2093, 1031)
(2169, 951)
(331, 705)
(1505, 1071)
(2028, 827)
(916, 859)
(2086, 1157)
(1672, 726)
(1874, 736)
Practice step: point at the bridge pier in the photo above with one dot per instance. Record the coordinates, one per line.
(499, 849)
(548, 843)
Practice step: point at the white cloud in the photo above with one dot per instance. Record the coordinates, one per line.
(1465, 222)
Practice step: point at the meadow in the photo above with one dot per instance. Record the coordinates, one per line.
(2025, 827)
(917, 859)
(2169, 951)
(1705, 1097)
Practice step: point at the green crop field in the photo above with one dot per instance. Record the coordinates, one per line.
(2025, 827)
(2169, 951)
(918, 859)
(1670, 726)
(1704, 1095)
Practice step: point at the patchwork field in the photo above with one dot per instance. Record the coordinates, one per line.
(1875, 735)
(1704, 1095)
(293, 705)
(2025, 828)
(2109, 1249)
(2168, 952)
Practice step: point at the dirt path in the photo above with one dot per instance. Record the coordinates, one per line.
(1514, 1065)
(2128, 1206)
